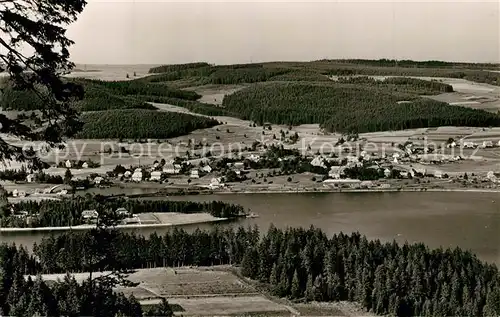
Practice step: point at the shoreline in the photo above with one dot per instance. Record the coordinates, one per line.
(383, 190)
(88, 227)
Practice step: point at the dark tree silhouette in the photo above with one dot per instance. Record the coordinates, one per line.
(38, 26)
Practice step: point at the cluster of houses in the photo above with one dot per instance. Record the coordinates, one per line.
(91, 216)
(473, 145)
(76, 164)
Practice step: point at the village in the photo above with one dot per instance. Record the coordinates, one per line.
(269, 167)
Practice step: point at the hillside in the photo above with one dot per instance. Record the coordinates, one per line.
(100, 95)
(138, 123)
(349, 108)
(203, 73)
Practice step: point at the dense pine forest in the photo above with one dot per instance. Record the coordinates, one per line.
(278, 92)
(68, 212)
(99, 95)
(139, 123)
(401, 84)
(35, 297)
(384, 62)
(203, 73)
(349, 108)
(386, 278)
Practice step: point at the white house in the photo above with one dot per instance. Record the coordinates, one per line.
(127, 174)
(68, 164)
(137, 176)
(90, 214)
(469, 145)
(352, 159)
(335, 183)
(396, 155)
(206, 169)
(387, 172)
(491, 176)
(256, 158)
(62, 192)
(131, 220)
(487, 144)
(155, 176)
(194, 174)
(122, 211)
(171, 168)
(318, 161)
(366, 184)
(239, 165)
(403, 174)
(335, 172)
(98, 180)
(18, 193)
(85, 165)
(215, 183)
(30, 178)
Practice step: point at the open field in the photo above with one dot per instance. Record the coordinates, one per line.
(215, 291)
(199, 291)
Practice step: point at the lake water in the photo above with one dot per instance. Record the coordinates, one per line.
(468, 220)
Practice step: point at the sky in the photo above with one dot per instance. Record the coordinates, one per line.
(168, 32)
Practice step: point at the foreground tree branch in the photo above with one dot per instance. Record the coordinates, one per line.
(38, 26)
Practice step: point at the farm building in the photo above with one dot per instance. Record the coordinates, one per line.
(90, 214)
(338, 183)
(155, 176)
(256, 158)
(30, 178)
(171, 168)
(85, 165)
(487, 144)
(387, 172)
(122, 211)
(335, 172)
(206, 169)
(194, 174)
(137, 176)
(318, 161)
(68, 164)
(18, 193)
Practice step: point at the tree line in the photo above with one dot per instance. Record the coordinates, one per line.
(384, 62)
(99, 95)
(68, 212)
(403, 84)
(349, 108)
(35, 297)
(205, 73)
(386, 278)
(139, 123)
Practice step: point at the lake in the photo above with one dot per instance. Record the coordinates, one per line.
(449, 219)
